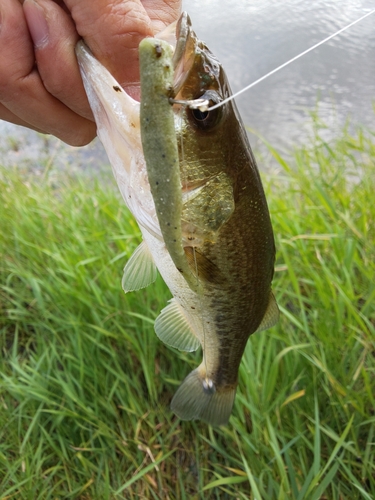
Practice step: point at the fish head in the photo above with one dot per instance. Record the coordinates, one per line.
(215, 157)
(210, 141)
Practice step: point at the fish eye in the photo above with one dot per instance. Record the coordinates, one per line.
(199, 115)
(206, 120)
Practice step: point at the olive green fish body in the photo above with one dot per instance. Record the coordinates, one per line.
(198, 199)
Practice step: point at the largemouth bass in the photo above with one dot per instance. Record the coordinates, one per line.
(204, 220)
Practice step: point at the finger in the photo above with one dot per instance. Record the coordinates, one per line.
(113, 31)
(10, 117)
(55, 38)
(21, 89)
(162, 12)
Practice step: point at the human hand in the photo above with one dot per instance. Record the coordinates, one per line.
(40, 82)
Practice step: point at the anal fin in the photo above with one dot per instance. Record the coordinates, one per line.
(173, 328)
(140, 270)
(271, 315)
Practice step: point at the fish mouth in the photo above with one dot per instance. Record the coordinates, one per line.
(196, 69)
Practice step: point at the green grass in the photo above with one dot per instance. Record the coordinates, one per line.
(85, 384)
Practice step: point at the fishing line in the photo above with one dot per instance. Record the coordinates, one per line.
(289, 62)
(203, 105)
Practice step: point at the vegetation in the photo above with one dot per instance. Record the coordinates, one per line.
(85, 384)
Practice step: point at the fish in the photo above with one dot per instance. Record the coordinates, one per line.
(189, 177)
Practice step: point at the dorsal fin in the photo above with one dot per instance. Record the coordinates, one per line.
(271, 316)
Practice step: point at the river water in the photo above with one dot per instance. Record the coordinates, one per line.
(252, 37)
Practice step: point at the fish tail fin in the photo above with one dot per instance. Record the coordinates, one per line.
(197, 398)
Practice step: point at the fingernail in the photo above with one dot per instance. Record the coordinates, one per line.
(37, 23)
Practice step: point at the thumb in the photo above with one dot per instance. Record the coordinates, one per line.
(113, 31)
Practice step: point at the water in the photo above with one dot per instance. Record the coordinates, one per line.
(251, 38)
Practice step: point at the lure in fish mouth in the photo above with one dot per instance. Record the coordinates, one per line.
(191, 181)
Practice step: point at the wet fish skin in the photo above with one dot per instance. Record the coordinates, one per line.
(226, 233)
(226, 229)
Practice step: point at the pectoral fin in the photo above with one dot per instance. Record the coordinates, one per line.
(140, 270)
(173, 328)
(207, 208)
(271, 315)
